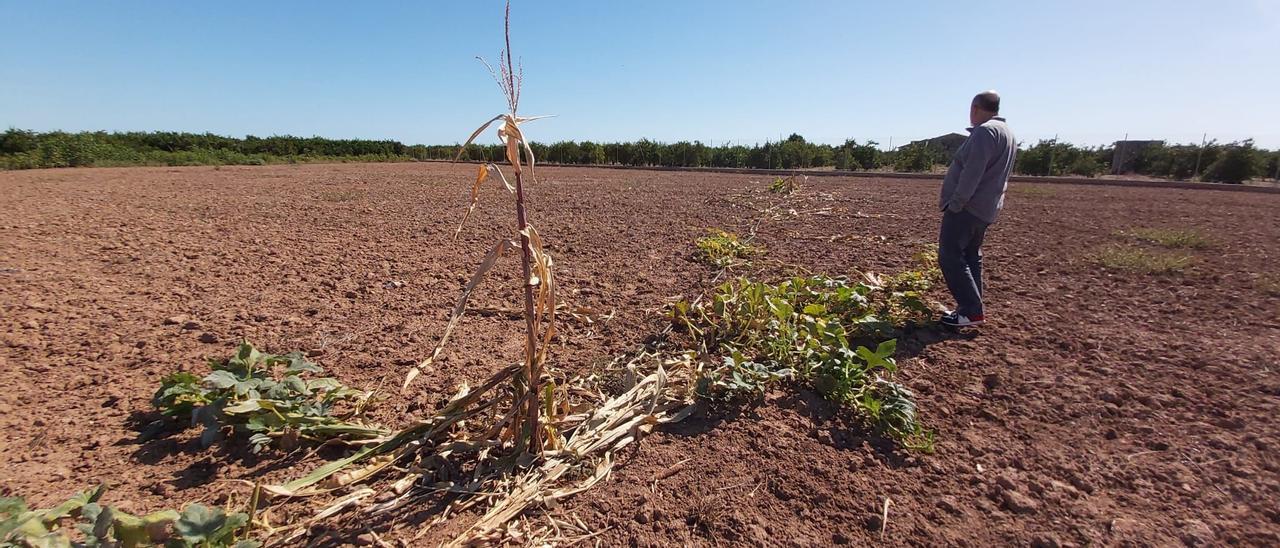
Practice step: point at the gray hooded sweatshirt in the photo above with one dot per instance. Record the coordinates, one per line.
(979, 172)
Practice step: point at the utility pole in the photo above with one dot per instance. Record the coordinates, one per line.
(1119, 155)
(1051, 147)
(1199, 153)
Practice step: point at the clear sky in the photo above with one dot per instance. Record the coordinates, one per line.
(744, 70)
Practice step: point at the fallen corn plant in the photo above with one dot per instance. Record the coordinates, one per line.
(724, 249)
(84, 521)
(538, 283)
(271, 398)
(453, 452)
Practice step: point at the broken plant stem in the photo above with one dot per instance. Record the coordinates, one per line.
(531, 372)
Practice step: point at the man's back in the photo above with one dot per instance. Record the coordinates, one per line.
(979, 172)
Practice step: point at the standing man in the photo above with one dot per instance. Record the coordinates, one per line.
(972, 195)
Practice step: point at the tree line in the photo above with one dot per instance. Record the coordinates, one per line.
(22, 149)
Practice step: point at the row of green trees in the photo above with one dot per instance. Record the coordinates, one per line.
(793, 153)
(1218, 162)
(20, 149)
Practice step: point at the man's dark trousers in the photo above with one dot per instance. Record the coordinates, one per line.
(960, 258)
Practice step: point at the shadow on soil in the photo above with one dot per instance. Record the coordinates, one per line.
(914, 342)
(353, 527)
(161, 438)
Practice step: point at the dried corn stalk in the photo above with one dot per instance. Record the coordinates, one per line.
(538, 281)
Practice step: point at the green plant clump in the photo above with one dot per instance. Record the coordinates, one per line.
(724, 249)
(267, 397)
(783, 185)
(1170, 237)
(808, 329)
(82, 521)
(1132, 259)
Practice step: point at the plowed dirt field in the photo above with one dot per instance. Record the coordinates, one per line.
(1097, 406)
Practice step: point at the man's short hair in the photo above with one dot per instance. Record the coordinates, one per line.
(988, 101)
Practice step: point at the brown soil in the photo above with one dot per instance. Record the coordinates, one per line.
(1097, 407)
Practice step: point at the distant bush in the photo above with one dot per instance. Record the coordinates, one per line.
(1086, 165)
(1270, 162)
(1238, 163)
(20, 149)
(1050, 157)
(917, 158)
(1176, 161)
(845, 161)
(26, 150)
(859, 156)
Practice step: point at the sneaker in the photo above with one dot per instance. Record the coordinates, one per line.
(956, 319)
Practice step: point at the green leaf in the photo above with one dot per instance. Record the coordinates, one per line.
(299, 364)
(887, 348)
(134, 531)
(199, 523)
(249, 386)
(815, 310)
(72, 505)
(323, 384)
(246, 406)
(13, 513)
(246, 356)
(101, 518)
(234, 522)
(50, 540)
(873, 360)
(781, 308)
(295, 384)
(221, 380)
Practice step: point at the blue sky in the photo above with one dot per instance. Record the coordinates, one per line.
(1088, 71)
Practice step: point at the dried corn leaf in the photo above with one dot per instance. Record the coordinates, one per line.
(523, 119)
(463, 406)
(503, 178)
(509, 134)
(475, 197)
(615, 424)
(344, 503)
(546, 297)
(460, 308)
(475, 134)
(378, 463)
